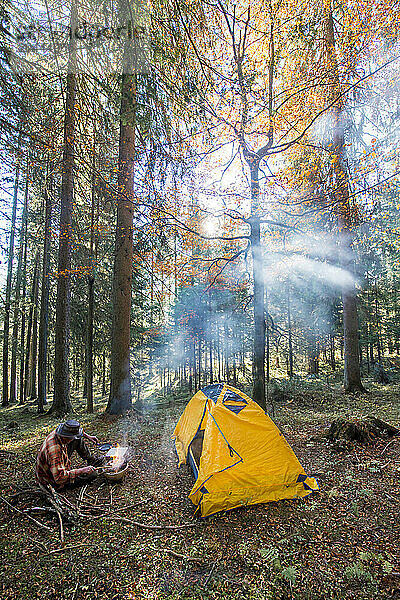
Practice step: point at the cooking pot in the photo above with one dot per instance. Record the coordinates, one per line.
(116, 475)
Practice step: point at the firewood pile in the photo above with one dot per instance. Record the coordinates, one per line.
(56, 506)
(50, 504)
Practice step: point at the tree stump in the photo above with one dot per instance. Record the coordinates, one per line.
(363, 430)
(380, 375)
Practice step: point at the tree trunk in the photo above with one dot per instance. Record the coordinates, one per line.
(190, 385)
(370, 328)
(29, 340)
(85, 381)
(396, 317)
(6, 325)
(91, 280)
(267, 339)
(62, 403)
(103, 382)
(199, 350)
(49, 360)
(78, 376)
(253, 160)
(389, 309)
(290, 342)
(22, 338)
(332, 351)
(259, 319)
(219, 353)
(194, 366)
(378, 326)
(34, 354)
(352, 375)
(312, 355)
(371, 344)
(89, 350)
(44, 297)
(17, 308)
(120, 399)
(211, 364)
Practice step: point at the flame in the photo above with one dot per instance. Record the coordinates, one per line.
(118, 458)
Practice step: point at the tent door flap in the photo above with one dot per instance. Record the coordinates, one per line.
(195, 450)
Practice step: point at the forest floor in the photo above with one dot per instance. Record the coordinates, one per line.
(341, 543)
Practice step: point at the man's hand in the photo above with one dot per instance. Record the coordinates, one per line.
(92, 438)
(87, 470)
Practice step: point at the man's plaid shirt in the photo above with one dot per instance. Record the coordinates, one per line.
(52, 464)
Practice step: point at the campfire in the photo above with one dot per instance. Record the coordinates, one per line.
(117, 463)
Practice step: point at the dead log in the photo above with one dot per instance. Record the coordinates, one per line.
(363, 430)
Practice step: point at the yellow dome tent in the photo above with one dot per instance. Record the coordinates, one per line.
(237, 453)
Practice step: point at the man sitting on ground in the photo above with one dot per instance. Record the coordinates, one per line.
(53, 465)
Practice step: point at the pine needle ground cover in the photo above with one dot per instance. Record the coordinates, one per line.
(341, 543)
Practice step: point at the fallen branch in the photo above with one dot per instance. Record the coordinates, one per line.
(25, 515)
(38, 509)
(387, 446)
(386, 464)
(26, 491)
(391, 497)
(113, 512)
(75, 590)
(39, 544)
(154, 527)
(63, 498)
(80, 498)
(235, 582)
(210, 574)
(61, 528)
(86, 504)
(68, 548)
(176, 554)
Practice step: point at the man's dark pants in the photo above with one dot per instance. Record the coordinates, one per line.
(79, 446)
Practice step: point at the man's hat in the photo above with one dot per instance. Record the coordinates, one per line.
(70, 429)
